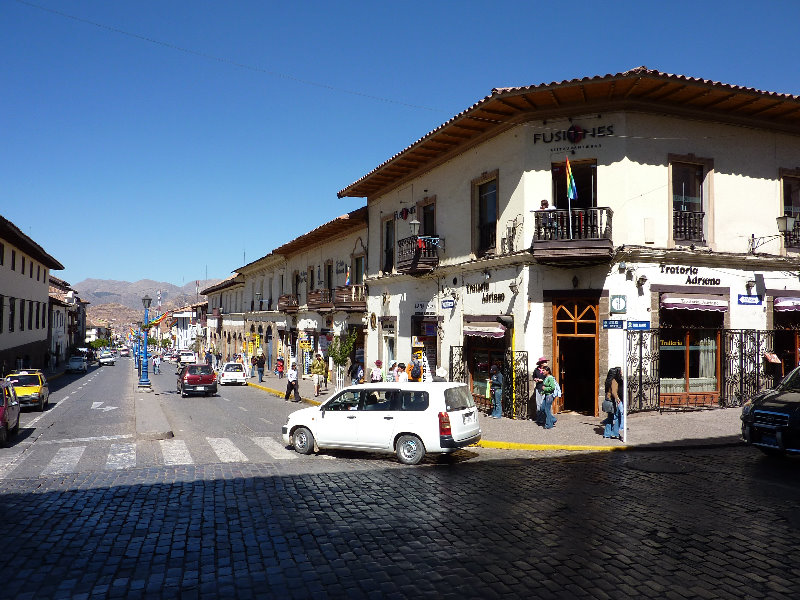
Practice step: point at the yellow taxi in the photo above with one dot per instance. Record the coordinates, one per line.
(31, 388)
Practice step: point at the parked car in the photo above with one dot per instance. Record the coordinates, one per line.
(771, 419)
(31, 388)
(124, 351)
(197, 379)
(409, 419)
(233, 373)
(106, 358)
(77, 364)
(9, 411)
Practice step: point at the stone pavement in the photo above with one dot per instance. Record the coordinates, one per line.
(649, 430)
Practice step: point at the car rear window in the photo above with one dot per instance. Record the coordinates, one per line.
(235, 367)
(458, 398)
(200, 370)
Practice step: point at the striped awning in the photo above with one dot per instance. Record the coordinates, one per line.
(484, 329)
(694, 302)
(786, 303)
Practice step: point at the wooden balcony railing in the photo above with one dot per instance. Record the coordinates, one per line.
(418, 254)
(687, 226)
(573, 237)
(287, 303)
(350, 298)
(320, 300)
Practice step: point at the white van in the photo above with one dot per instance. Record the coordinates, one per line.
(409, 419)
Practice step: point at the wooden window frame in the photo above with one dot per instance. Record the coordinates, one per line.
(475, 186)
(708, 198)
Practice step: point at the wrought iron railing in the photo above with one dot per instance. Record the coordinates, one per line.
(418, 253)
(687, 226)
(350, 298)
(288, 303)
(576, 224)
(320, 299)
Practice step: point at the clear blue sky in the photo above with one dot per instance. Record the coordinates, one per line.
(168, 139)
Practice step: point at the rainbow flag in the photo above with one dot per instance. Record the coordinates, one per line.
(158, 320)
(347, 281)
(572, 191)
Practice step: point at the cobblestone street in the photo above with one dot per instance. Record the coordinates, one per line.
(718, 523)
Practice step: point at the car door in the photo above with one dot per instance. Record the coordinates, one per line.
(378, 420)
(12, 409)
(337, 423)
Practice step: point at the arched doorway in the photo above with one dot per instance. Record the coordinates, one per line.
(575, 366)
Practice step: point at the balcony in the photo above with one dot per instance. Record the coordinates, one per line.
(573, 238)
(287, 303)
(418, 254)
(320, 300)
(350, 298)
(687, 227)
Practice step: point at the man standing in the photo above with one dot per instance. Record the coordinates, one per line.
(317, 372)
(260, 362)
(292, 384)
(497, 392)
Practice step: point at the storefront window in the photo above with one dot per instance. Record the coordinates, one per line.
(688, 361)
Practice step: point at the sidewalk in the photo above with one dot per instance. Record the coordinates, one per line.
(646, 431)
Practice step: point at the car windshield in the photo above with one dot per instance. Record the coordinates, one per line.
(24, 380)
(791, 382)
(458, 398)
(76, 359)
(234, 367)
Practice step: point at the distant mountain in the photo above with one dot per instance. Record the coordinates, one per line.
(124, 293)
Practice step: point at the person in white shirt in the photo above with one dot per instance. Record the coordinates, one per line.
(402, 376)
(292, 384)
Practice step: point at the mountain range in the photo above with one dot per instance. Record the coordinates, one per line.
(121, 301)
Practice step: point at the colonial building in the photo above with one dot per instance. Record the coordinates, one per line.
(631, 220)
(24, 284)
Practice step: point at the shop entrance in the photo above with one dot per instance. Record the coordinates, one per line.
(575, 363)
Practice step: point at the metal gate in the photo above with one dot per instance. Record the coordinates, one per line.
(515, 384)
(744, 374)
(641, 370)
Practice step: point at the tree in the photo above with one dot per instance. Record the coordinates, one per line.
(340, 348)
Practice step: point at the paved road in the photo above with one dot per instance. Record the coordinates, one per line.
(486, 523)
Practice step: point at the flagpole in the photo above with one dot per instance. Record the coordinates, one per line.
(569, 197)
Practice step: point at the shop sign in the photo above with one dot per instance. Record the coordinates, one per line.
(424, 308)
(693, 274)
(638, 325)
(448, 303)
(574, 135)
(750, 300)
(492, 298)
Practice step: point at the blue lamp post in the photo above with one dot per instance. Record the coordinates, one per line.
(144, 381)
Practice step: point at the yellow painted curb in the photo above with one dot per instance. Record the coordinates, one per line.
(543, 447)
(281, 394)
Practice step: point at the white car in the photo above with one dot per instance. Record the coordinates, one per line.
(231, 373)
(409, 419)
(105, 358)
(186, 357)
(77, 364)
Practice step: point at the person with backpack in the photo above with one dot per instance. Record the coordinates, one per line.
(356, 373)
(415, 374)
(376, 374)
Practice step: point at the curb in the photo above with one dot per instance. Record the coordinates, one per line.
(280, 394)
(548, 447)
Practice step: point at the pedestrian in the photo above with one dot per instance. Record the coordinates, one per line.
(496, 381)
(391, 374)
(292, 385)
(317, 372)
(356, 373)
(279, 367)
(548, 387)
(208, 357)
(253, 365)
(261, 361)
(538, 376)
(612, 405)
(156, 365)
(402, 375)
(414, 369)
(328, 362)
(376, 373)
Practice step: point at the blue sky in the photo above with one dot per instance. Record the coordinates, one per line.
(172, 139)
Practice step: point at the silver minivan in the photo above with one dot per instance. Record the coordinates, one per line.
(409, 419)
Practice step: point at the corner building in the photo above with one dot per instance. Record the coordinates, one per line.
(671, 258)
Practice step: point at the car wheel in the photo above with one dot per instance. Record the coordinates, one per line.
(771, 451)
(303, 440)
(410, 450)
(41, 404)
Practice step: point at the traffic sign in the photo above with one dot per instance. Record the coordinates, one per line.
(638, 325)
(612, 323)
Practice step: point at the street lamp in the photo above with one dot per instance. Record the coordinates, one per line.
(144, 381)
(137, 352)
(414, 224)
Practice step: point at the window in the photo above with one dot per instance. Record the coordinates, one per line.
(585, 175)
(329, 276)
(2, 307)
(30, 314)
(688, 360)
(22, 315)
(2, 254)
(345, 401)
(689, 190)
(31, 270)
(12, 308)
(311, 285)
(484, 211)
(791, 204)
(296, 283)
(22, 270)
(388, 245)
(358, 270)
(427, 219)
(38, 272)
(13, 260)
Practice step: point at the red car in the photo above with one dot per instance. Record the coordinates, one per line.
(9, 411)
(197, 379)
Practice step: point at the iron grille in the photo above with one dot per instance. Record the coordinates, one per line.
(744, 374)
(515, 384)
(642, 370)
(770, 419)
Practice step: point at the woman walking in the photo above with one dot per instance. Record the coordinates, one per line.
(612, 405)
(548, 387)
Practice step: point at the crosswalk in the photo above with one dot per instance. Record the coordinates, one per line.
(110, 453)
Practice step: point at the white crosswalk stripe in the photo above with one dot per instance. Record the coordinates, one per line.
(274, 449)
(175, 452)
(226, 450)
(65, 461)
(121, 456)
